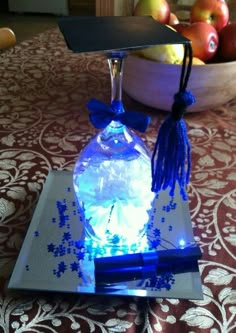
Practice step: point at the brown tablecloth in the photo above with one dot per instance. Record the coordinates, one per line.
(43, 126)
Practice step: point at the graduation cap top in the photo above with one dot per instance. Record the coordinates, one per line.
(104, 33)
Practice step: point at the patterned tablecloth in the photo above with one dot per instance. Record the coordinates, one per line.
(43, 126)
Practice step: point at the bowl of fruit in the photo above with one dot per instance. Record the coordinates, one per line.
(151, 75)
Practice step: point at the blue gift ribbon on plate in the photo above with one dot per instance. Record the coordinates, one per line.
(116, 269)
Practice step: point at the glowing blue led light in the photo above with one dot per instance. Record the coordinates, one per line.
(182, 242)
(115, 200)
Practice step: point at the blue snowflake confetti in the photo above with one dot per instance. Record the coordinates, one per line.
(156, 232)
(154, 243)
(51, 247)
(66, 236)
(163, 281)
(74, 266)
(54, 220)
(76, 248)
(62, 267)
(66, 245)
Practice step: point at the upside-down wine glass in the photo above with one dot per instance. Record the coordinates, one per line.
(112, 178)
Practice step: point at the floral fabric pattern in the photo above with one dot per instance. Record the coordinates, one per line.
(44, 124)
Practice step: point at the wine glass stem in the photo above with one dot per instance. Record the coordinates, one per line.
(116, 63)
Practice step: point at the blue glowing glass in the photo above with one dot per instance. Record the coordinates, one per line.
(112, 177)
(112, 182)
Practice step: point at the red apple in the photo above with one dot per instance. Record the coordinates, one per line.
(227, 42)
(158, 9)
(214, 12)
(180, 26)
(173, 20)
(204, 39)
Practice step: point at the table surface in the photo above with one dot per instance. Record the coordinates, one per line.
(43, 126)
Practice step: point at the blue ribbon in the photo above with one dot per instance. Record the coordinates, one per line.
(101, 115)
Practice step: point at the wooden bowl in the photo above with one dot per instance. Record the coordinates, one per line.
(154, 84)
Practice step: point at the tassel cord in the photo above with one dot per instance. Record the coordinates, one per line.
(185, 73)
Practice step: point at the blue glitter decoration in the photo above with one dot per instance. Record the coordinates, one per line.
(78, 249)
(62, 208)
(154, 243)
(66, 245)
(66, 236)
(153, 233)
(169, 207)
(79, 244)
(74, 266)
(80, 255)
(163, 281)
(156, 232)
(62, 267)
(62, 250)
(51, 247)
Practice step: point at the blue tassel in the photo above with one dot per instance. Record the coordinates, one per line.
(171, 159)
(174, 161)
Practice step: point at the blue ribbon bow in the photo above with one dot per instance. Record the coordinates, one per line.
(101, 115)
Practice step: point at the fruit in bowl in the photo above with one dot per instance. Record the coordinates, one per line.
(205, 46)
(152, 76)
(227, 42)
(172, 54)
(159, 10)
(213, 12)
